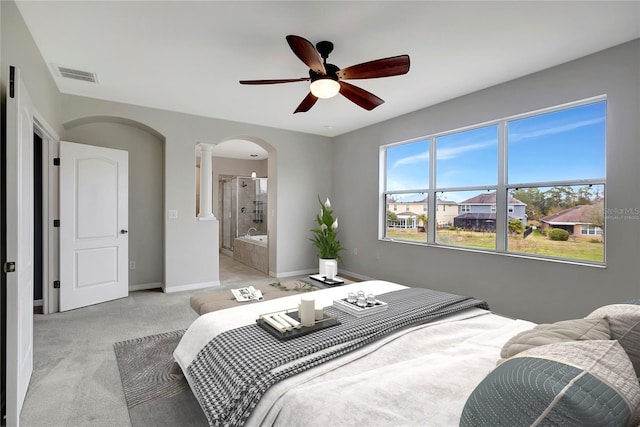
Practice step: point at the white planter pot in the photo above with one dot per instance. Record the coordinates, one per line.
(328, 267)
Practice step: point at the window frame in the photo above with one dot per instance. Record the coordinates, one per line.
(502, 188)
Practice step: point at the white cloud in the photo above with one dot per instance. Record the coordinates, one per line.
(554, 130)
(418, 158)
(453, 152)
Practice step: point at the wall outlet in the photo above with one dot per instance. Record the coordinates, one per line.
(132, 265)
(172, 214)
(355, 251)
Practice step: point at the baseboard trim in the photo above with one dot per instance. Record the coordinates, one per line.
(294, 273)
(191, 287)
(145, 286)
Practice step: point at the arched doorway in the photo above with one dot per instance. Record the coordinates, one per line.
(246, 167)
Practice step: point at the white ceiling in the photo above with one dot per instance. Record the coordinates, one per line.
(188, 56)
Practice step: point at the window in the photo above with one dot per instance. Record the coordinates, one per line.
(406, 225)
(590, 230)
(552, 176)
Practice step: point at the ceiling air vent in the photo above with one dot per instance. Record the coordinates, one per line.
(72, 73)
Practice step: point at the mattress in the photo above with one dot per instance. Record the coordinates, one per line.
(418, 376)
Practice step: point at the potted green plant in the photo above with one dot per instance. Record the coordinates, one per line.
(324, 238)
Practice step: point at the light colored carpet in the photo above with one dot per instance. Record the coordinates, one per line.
(76, 380)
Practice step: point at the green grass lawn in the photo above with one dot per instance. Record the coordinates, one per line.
(575, 248)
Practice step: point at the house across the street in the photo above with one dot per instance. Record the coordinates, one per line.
(578, 221)
(479, 212)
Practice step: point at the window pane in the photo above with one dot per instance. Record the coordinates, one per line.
(562, 145)
(561, 222)
(468, 158)
(408, 166)
(473, 223)
(406, 217)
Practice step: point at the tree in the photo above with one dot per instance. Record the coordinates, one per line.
(391, 216)
(535, 201)
(515, 226)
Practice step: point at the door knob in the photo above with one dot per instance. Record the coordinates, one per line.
(123, 231)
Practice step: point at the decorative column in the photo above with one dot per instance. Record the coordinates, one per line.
(206, 178)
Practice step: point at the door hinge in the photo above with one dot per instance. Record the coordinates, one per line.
(9, 267)
(56, 284)
(56, 161)
(56, 223)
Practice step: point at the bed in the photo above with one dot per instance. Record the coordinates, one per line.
(423, 374)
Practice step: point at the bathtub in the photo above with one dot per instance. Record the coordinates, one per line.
(252, 251)
(259, 238)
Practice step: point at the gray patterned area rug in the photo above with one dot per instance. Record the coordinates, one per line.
(157, 394)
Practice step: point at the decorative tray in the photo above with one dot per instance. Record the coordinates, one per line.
(323, 279)
(355, 310)
(275, 325)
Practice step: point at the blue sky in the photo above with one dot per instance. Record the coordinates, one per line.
(562, 145)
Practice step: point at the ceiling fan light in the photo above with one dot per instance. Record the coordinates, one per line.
(325, 88)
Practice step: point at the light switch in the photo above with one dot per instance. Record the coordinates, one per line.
(172, 214)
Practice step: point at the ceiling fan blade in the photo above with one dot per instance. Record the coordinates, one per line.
(385, 67)
(306, 104)
(359, 96)
(271, 82)
(307, 53)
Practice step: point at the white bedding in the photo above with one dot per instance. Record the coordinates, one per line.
(416, 377)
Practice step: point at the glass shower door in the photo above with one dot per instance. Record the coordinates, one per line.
(226, 218)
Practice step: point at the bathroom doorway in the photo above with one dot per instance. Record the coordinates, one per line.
(243, 207)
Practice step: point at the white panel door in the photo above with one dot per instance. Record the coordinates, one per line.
(19, 249)
(93, 225)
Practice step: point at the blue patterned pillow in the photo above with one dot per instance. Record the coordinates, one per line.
(581, 383)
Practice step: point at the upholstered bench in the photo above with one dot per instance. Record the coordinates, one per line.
(223, 298)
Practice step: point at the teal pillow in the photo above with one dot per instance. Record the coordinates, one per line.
(580, 383)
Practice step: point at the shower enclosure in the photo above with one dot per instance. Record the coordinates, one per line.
(243, 209)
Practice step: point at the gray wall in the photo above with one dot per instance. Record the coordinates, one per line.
(537, 290)
(19, 49)
(295, 168)
(146, 225)
(520, 287)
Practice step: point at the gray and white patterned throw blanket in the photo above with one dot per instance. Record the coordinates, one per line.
(232, 372)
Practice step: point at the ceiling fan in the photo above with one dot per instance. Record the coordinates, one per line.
(327, 80)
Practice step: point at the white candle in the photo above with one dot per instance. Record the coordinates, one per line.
(306, 310)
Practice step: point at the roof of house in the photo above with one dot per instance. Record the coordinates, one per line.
(407, 213)
(478, 215)
(576, 215)
(425, 200)
(481, 215)
(489, 199)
